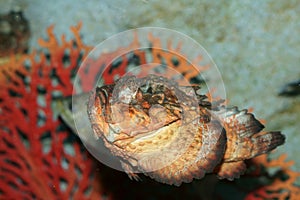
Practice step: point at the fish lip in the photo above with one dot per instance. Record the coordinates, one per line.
(145, 133)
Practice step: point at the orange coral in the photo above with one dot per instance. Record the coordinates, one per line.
(280, 188)
(104, 64)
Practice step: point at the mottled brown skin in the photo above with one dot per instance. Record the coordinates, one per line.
(173, 134)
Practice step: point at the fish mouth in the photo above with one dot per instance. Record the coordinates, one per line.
(139, 134)
(136, 109)
(148, 135)
(149, 132)
(130, 121)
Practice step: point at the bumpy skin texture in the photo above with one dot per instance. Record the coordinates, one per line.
(173, 134)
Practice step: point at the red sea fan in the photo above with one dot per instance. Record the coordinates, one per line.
(38, 157)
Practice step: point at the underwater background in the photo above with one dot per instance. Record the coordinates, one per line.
(255, 46)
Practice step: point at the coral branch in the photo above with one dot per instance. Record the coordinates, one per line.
(282, 187)
(34, 160)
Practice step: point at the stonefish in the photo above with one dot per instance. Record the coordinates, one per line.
(172, 133)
